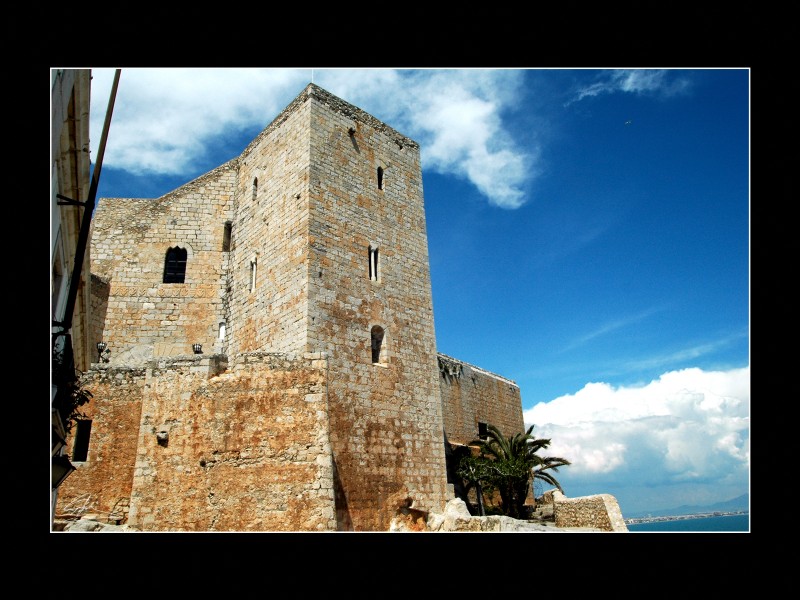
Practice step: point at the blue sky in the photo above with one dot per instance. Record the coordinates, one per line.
(588, 231)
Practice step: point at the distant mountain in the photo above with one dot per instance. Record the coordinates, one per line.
(740, 503)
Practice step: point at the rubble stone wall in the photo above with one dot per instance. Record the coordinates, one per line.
(212, 449)
(102, 484)
(600, 511)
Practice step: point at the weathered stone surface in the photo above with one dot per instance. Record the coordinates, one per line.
(456, 518)
(599, 511)
(471, 395)
(318, 401)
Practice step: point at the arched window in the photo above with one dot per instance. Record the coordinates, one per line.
(175, 265)
(380, 178)
(253, 269)
(377, 343)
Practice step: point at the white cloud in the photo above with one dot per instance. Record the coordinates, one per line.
(688, 425)
(613, 326)
(660, 82)
(457, 119)
(165, 120)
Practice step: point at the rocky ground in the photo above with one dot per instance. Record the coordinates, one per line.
(456, 518)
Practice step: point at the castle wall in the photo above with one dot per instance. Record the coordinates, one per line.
(386, 423)
(291, 422)
(471, 395)
(130, 238)
(99, 289)
(271, 230)
(102, 484)
(195, 447)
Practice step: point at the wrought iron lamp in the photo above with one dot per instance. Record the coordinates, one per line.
(198, 348)
(101, 351)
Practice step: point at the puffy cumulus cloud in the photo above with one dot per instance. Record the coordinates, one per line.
(662, 82)
(686, 426)
(455, 115)
(165, 119)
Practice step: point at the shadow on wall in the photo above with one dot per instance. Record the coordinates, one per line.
(343, 520)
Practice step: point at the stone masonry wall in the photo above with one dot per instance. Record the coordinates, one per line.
(471, 395)
(600, 511)
(244, 449)
(386, 423)
(99, 289)
(247, 450)
(259, 446)
(130, 239)
(102, 484)
(270, 231)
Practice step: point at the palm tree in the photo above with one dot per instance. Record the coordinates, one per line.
(549, 462)
(512, 464)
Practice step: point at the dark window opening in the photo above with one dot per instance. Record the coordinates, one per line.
(80, 447)
(483, 431)
(175, 265)
(373, 264)
(255, 187)
(380, 178)
(377, 342)
(226, 237)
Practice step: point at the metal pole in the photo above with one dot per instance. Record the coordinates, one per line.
(83, 237)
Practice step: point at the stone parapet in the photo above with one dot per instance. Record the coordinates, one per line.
(600, 511)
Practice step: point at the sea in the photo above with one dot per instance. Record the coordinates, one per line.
(724, 523)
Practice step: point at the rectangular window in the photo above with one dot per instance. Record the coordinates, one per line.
(483, 431)
(226, 237)
(80, 447)
(373, 264)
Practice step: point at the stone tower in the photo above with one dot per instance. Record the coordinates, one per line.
(313, 400)
(331, 256)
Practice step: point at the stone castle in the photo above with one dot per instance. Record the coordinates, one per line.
(270, 361)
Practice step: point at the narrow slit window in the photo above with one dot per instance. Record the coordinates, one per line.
(175, 265)
(255, 187)
(222, 331)
(373, 264)
(226, 237)
(253, 267)
(377, 343)
(80, 447)
(380, 178)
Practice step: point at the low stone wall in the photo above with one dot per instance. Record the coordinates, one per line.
(600, 511)
(456, 518)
